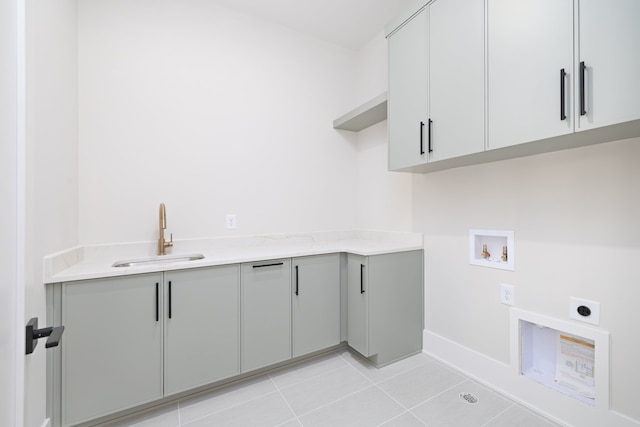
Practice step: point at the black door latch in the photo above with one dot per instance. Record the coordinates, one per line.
(33, 334)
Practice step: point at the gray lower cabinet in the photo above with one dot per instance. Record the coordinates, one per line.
(315, 303)
(385, 305)
(111, 353)
(135, 339)
(266, 313)
(202, 327)
(358, 303)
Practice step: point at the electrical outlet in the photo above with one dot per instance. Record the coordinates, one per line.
(231, 221)
(584, 310)
(507, 294)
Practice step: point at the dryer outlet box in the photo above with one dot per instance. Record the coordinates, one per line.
(584, 310)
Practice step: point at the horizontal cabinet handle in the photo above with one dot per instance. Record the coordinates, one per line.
(268, 265)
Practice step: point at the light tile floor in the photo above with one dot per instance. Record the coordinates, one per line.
(342, 389)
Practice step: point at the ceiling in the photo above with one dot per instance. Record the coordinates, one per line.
(347, 23)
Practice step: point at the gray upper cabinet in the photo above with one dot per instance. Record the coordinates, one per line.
(112, 348)
(456, 78)
(266, 313)
(530, 44)
(408, 96)
(436, 83)
(385, 305)
(202, 326)
(509, 78)
(608, 59)
(315, 303)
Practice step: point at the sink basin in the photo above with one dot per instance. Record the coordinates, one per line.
(157, 260)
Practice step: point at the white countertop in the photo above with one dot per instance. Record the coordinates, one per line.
(96, 261)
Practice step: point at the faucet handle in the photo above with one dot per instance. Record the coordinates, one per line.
(170, 242)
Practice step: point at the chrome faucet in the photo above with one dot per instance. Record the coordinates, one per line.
(163, 244)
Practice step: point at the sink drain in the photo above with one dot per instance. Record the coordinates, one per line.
(469, 398)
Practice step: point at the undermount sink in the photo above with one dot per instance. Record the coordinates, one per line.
(155, 260)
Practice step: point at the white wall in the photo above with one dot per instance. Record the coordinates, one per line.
(8, 214)
(383, 197)
(575, 216)
(52, 166)
(210, 112)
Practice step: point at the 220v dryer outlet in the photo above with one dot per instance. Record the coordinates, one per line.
(584, 310)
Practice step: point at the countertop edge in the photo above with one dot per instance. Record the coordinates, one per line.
(95, 262)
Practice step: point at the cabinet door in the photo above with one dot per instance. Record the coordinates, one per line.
(202, 326)
(456, 78)
(358, 291)
(609, 46)
(529, 43)
(408, 93)
(112, 346)
(395, 305)
(316, 303)
(266, 313)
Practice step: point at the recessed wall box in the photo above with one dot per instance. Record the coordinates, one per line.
(567, 358)
(492, 248)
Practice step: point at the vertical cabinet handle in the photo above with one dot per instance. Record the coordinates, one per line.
(421, 138)
(429, 136)
(169, 299)
(157, 302)
(563, 74)
(296, 280)
(362, 278)
(583, 111)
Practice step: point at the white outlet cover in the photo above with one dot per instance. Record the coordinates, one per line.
(231, 221)
(594, 306)
(507, 294)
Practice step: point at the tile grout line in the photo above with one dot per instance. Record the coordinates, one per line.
(337, 400)
(438, 394)
(260, 396)
(407, 410)
(397, 375)
(309, 378)
(498, 414)
(401, 414)
(230, 407)
(353, 360)
(375, 384)
(285, 401)
(351, 365)
(278, 391)
(390, 377)
(361, 374)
